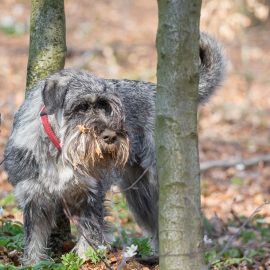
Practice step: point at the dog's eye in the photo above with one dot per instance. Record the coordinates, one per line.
(102, 104)
(81, 107)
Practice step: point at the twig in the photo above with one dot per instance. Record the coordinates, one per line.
(206, 165)
(90, 244)
(132, 186)
(235, 216)
(233, 237)
(1, 162)
(123, 260)
(122, 263)
(136, 181)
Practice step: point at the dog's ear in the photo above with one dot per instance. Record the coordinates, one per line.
(54, 93)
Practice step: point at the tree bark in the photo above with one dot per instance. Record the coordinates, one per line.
(47, 55)
(47, 40)
(180, 221)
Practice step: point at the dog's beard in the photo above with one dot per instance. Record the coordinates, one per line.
(90, 155)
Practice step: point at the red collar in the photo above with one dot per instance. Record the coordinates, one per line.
(48, 128)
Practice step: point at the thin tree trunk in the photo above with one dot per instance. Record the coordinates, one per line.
(47, 55)
(47, 40)
(180, 221)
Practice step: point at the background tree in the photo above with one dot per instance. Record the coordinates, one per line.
(47, 40)
(47, 52)
(180, 228)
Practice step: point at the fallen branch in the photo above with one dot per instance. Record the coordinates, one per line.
(207, 165)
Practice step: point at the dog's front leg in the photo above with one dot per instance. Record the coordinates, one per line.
(90, 235)
(88, 212)
(39, 218)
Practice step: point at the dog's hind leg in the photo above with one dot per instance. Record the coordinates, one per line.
(61, 232)
(141, 190)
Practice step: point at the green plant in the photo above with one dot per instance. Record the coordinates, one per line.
(42, 265)
(12, 267)
(122, 239)
(265, 233)
(233, 253)
(231, 262)
(72, 261)
(211, 257)
(48, 265)
(144, 247)
(256, 253)
(92, 255)
(247, 235)
(11, 235)
(119, 205)
(143, 244)
(95, 256)
(237, 181)
(11, 227)
(8, 200)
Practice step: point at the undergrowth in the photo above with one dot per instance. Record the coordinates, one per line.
(248, 245)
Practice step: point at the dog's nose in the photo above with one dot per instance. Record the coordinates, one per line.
(108, 136)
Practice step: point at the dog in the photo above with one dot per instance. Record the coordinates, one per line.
(77, 134)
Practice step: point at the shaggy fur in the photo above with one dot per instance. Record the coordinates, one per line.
(106, 132)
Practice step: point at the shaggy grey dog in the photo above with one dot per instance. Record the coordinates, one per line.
(105, 129)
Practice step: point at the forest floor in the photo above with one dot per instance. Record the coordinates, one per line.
(116, 39)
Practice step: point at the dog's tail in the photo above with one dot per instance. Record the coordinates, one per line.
(212, 66)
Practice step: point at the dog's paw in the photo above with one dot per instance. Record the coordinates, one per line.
(83, 246)
(31, 259)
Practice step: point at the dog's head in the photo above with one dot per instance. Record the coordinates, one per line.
(90, 119)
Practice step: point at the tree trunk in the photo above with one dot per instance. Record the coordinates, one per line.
(47, 40)
(47, 55)
(180, 221)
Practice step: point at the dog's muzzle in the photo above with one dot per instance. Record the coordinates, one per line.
(109, 136)
(92, 148)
